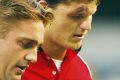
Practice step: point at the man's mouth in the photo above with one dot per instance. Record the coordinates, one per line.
(79, 35)
(20, 69)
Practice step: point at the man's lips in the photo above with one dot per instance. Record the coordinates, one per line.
(20, 69)
(79, 35)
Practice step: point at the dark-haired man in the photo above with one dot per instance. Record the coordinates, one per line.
(58, 58)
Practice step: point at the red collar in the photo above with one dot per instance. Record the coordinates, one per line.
(70, 54)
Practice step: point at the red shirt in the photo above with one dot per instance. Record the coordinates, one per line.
(72, 68)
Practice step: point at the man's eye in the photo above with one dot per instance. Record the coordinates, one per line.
(77, 17)
(27, 44)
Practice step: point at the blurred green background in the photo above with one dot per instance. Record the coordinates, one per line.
(101, 47)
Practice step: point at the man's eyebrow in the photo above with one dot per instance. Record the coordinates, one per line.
(78, 11)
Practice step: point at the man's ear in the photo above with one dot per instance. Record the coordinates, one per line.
(43, 3)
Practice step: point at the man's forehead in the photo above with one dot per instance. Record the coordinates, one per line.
(97, 2)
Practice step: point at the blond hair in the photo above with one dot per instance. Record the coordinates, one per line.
(12, 10)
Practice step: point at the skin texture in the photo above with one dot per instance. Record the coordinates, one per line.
(19, 48)
(71, 23)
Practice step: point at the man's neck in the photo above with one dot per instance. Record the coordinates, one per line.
(53, 50)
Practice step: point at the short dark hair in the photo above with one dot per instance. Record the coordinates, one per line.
(53, 3)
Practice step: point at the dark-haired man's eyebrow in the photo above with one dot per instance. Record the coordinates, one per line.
(78, 11)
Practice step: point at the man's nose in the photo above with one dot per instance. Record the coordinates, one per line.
(86, 23)
(32, 55)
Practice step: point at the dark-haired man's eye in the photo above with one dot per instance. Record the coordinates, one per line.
(76, 17)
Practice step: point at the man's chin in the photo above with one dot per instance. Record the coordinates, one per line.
(75, 46)
(15, 77)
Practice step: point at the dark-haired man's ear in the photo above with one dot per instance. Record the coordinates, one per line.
(43, 3)
(49, 17)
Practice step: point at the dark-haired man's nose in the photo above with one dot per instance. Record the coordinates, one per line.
(86, 24)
